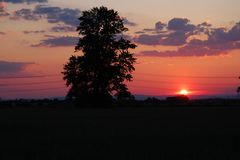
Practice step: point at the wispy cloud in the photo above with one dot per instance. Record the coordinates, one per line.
(58, 42)
(34, 32)
(129, 23)
(13, 67)
(63, 28)
(25, 1)
(26, 14)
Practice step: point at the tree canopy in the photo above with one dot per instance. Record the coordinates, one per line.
(106, 62)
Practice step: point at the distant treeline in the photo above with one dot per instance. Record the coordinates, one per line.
(179, 101)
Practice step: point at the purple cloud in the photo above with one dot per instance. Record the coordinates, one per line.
(53, 41)
(186, 51)
(147, 39)
(175, 33)
(234, 33)
(57, 14)
(34, 32)
(180, 24)
(13, 67)
(52, 14)
(160, 26)
(220, 41)
(26, 14)
(25, 1)
(58, 42)
(175, 39)
(139, 32)
(129, 23)
(63, 28)
(168, 39)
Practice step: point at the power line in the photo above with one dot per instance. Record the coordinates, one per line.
(34, 90)
(140, 80)
(7, 85)
(168, 82)
(152, 81)
(58, 88)
(176, 76)
(163, 88)
(151, 74)
(33, 76)
(30, 83)
(132, 85)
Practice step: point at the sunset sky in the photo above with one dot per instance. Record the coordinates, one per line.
(191, 44)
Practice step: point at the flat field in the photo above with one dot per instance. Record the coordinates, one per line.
(190, 133)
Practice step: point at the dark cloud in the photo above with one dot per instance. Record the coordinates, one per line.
(63, 28)
(124, 36)
(180, 24)
(203, 28)
(174, 25)
(234, 33)
(220, 41)
(148, 30)
(194, 50)
(221, 36)
(49, 36)
(13, 67)
(58, 42)
(139, 32)
(52, 14)
(217, 36)
(25, 1)
(205, 24)
(53, 41)
(57, 14)
(178, 30)
(175, 33)
(160, 26)
(34, 32)
(147, 39)
(175, 39)
(129, 23)
(26, 14)
(168, 39)
(186, 51)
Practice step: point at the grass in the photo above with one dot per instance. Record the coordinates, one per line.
(120, 133)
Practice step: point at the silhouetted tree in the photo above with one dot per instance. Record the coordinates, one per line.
(106, 62)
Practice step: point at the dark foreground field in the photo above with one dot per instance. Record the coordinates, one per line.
(187, 133)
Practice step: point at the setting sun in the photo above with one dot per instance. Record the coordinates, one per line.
(184, 92)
